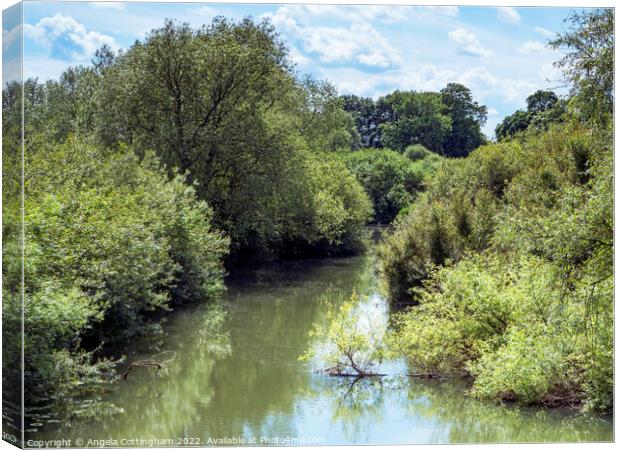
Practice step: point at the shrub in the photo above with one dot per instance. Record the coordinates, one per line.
(354, 340)
(510, 257)
(110, 241)
(388, 177)
(417, 152)
(330, 211)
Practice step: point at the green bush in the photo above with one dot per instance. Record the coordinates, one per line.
(339, 208)
(417, 152)
(388, 177)
(510, 256)
(109, 242)
(468, 199)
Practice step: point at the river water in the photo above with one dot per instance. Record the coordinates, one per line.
(232, 375)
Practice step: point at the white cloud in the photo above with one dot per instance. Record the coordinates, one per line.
(362, 13)
(119, 6)
(429, 77)
(492, 112)
(544, 31)
(468, 43)
(551, 73)
(508, 14)
(360, 43)
(451, 11)
(533, 47)
(205, 11)
(78, 43)
(10, 37)
(44, 68)
(298, 58)
(510, 89)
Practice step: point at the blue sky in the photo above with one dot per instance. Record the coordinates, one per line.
(499, 53)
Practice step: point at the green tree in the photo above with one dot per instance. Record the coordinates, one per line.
(468, 117)
(588, 63)
(513, 124)
(367, 119)
(541, 101)
(222, 104)
(390, 179)
(419, 118)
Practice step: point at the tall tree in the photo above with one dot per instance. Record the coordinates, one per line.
(588, 63)
(222, 104)
(418, 118)
(468, 117)
(541, 101)
(367, 118)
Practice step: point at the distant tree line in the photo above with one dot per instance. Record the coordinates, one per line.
(448, 122)
(543, 109)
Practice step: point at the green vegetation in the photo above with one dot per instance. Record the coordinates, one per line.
(543, 109)
(392, 180)
(388, 177)
(149, 172)
(137, 189)
(110, 242)
(352, 342)
(509, 253)
(249, 142)
(447, 122)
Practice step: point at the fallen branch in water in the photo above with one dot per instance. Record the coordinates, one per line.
(425, 375)
(144, 363)
(336, 371)
(148, 363)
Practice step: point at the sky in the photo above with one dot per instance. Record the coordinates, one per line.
(499, 53)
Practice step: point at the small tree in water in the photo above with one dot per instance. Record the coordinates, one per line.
(353, 343)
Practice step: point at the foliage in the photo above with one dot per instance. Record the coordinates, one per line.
(447, 122)
(339, 209)
(325, 123)
(588, 63)
(353, 340)
(244, 140)
(418, 119)
(425, 162)
(245, 144)
(514, 288)
(367, 119)
(543, 109)
(388, 177)
(468, 118)
(110, 242)
(138, 166)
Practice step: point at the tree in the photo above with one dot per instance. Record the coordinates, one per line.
(367, 119)
(588, 63)
(222, 104)
(519, 121)
(543, 109)
(104, 58)
(419, 118)
(468, 117)
(325, 123)
(389, 178)
(541, 101)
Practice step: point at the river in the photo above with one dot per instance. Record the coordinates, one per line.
(232, 375)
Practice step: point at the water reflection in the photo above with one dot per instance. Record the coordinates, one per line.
(161, 402)
(466, 420)
(235, 374)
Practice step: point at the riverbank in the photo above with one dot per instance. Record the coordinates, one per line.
(238, 373)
